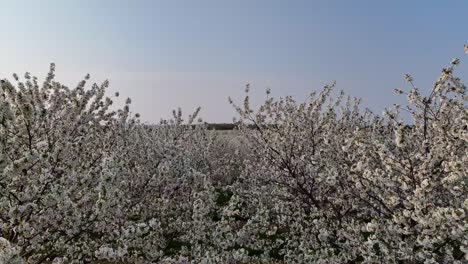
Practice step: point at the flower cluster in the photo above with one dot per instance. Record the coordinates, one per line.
(9, 254)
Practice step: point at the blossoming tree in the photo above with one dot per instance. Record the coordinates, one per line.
(319, 181)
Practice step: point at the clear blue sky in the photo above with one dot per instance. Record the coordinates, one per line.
(165, 54)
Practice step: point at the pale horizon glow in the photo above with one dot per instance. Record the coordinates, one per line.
(169, 54)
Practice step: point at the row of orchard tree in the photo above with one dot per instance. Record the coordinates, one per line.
(320, 181)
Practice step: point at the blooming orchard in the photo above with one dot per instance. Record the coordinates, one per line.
(321, 181)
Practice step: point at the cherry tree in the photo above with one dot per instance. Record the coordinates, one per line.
(327, 182)
(54, 143)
